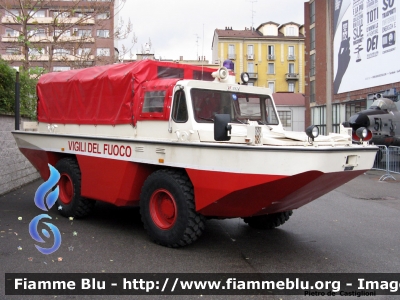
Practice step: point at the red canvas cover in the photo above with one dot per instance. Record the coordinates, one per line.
(104, 95)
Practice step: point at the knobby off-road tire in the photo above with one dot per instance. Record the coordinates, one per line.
(268, 221)
(70, 199)
(167, 209)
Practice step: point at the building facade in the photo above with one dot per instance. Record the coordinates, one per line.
(291, 110)
(346, 68)
(272, 54)
(57, 35)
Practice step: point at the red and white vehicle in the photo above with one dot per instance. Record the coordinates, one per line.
(154, 134)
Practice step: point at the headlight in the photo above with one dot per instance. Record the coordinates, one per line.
(312, 132)
(245, 77)
(362, 133)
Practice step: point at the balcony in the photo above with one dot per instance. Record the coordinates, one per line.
(231, 56)
(271, 57)
(12, 57)
(49, 39)
(292, 76)
(49, 20)
(253, 75)
(291, 57)
(45, 57)
(9, 38)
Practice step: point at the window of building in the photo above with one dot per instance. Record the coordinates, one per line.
(355, 107)
(290, 31)
(291, 53)
(286, 118)
(231, 52)
(104, 33)
(336, 118)
(84, 32)
(82, 15)
(13, 51)
(291, 87)
(39, 14)
(103, 51)
(37, 70)
(250, 49)
(271, 68)
(312, 38)
(12, 12)
(312, 91)
(312, 12)
(318, 118)
(291, 68)
(61, 51)
(59, 69)
(83, 51)
(11, 32)
(271, 30)
(103, 16)
(250, 67)
(61, 14)
(312, 65)
(38, 32)
(62, 32)
(36, 51)
(271, 52)
(271, 86)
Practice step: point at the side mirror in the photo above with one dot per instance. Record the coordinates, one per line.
(221, 127)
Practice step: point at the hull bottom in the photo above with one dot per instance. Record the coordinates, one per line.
(279, 195)
(217, 194)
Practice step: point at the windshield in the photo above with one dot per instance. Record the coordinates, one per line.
(240, 106)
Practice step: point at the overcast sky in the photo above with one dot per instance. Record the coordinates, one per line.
(186, 27)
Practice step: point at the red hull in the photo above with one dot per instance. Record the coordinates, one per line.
(271, 196)
(217, 194)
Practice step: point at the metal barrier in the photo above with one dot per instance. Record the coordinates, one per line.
(387, 159)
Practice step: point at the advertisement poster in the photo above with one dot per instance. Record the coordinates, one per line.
(365, 44)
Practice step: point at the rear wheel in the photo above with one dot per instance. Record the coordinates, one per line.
(168, 211)
(70, 201)
(268, 221)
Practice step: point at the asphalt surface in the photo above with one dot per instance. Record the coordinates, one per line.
(353, 229)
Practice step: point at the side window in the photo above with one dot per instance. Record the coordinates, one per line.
(154, 101)
(179, 110)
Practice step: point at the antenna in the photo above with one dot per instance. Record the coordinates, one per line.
(197, 44)
(202, 54)
(252, 13)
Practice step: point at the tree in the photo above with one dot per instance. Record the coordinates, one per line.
(7, 83)
(28, 81)
(61, 31)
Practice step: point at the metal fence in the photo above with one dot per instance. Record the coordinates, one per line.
(387, 159)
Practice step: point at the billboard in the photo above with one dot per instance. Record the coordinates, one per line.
(366, 46)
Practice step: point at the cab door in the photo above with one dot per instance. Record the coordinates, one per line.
(180, 124)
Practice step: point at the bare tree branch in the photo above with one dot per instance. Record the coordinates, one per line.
(52, 32)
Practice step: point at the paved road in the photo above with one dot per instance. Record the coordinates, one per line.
(352, 229)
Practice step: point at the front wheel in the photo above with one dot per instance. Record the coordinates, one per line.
(70, 201)
(268, 221)
(168, 211)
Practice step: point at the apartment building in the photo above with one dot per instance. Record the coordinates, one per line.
(57, 35)
(272, 54)
(350, 58)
